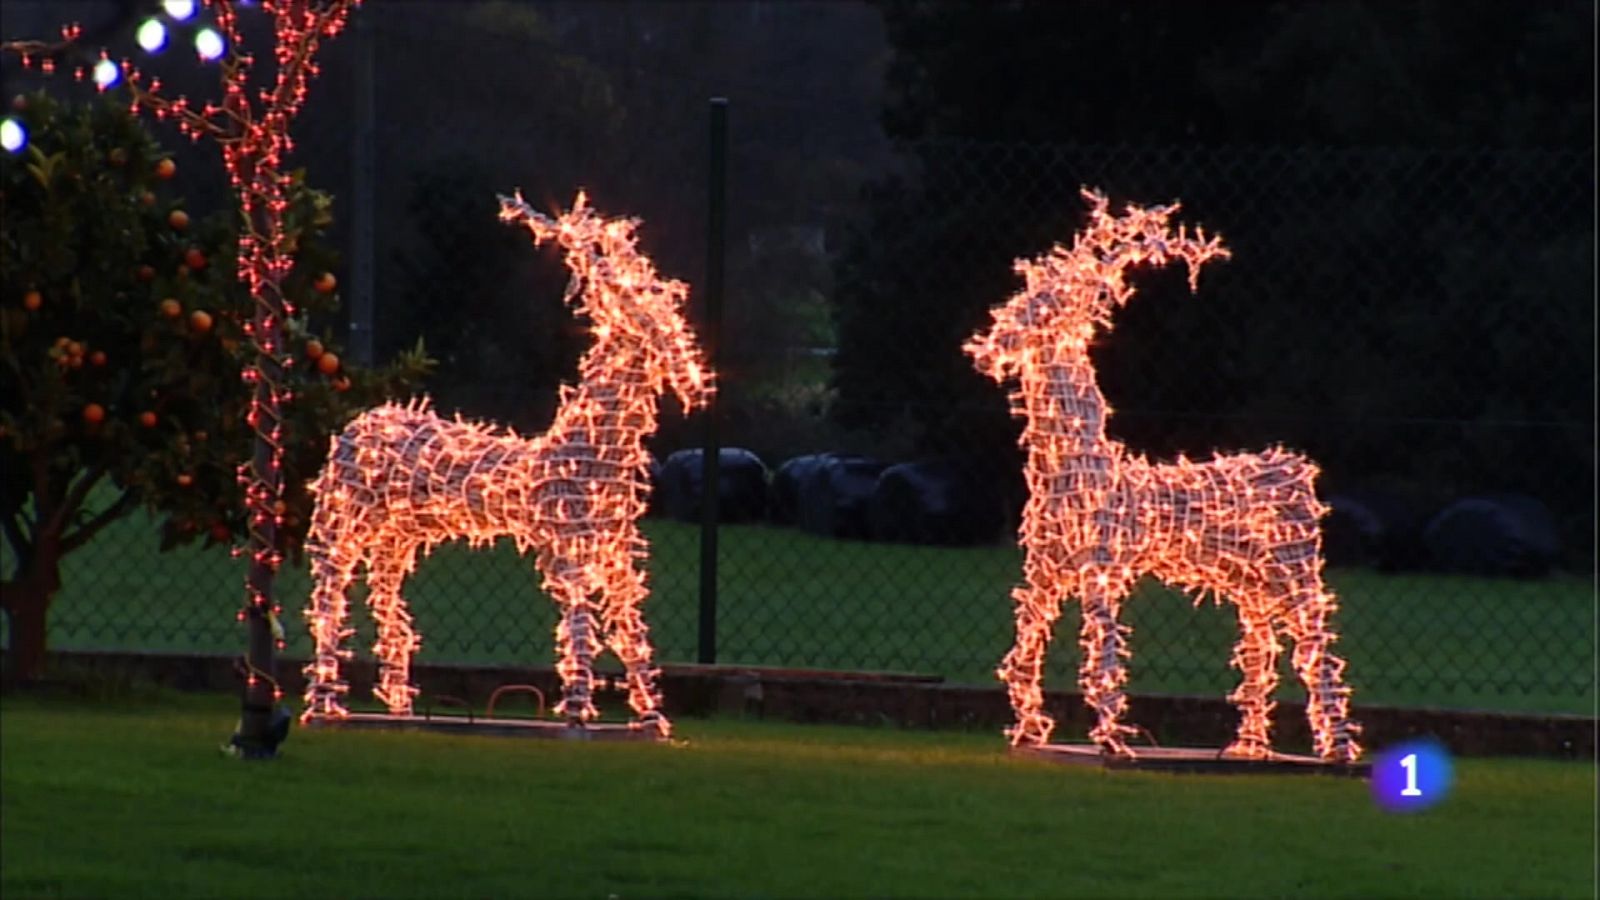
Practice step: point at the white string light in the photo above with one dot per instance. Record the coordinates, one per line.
(13, 135)
(209, 44)
(106, 74)
(151, 36)
(179, 10)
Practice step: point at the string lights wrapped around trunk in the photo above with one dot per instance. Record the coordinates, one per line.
(400, 480)
(1100, 516)
(250, 125)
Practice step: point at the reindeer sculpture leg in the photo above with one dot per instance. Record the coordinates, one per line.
(1101, 673)
(629, 638)
(1256, 656)
(1309, 605)
(1327, 697)
(577, 642)
(390, 561)
(1023, 667)
(332, 569)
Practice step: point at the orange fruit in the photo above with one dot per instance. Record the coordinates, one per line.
(194, 259)
(97, 358)
(341, 384)
(147, 199)
(325, 283)
(94, 414)
(147, 419)
(328, 363)
(145, 273)
(200, 321)
(185, 479)
(166, 169)
(32, 300)
(171, 308)
(178, 219)
(313, 349)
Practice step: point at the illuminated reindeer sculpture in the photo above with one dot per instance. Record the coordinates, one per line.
(1100, 516)
(400, 479)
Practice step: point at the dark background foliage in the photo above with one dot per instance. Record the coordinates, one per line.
(1408, 189)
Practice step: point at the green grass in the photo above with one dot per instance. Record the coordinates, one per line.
(787, 598)
(100, 800)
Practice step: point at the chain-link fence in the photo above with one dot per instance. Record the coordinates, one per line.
(1420, 321)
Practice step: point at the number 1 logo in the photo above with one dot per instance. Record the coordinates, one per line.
(1412, 776)
(1409, 763)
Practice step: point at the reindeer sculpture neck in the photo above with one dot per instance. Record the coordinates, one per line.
(624, 409)
(1041, 336)
(1061, 398)
(642, 344)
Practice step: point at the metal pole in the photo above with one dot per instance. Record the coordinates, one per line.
(711, 336)
(363, 194)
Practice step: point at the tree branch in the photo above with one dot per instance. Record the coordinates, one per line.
(74, 499)
(190, 121)
(292, 73)
(74, 42)
(42, 507)
(17, 538)
(75, 39)
(104, 517)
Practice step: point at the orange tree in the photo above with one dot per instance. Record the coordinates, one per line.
(122, 342)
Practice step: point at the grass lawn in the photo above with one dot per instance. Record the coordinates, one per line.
(132, 799)
(788, 598)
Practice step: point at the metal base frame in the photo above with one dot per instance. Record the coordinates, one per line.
(1203, 760)
(492, 726)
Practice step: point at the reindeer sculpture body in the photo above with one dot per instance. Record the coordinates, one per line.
(400, 479)
(1099, 516)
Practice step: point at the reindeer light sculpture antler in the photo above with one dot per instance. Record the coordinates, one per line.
(399, 479)
(1100, 516)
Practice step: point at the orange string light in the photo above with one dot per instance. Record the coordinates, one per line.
(400, 479)
(1100, 516)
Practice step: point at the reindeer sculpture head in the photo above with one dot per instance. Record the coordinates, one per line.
(631, 308)
(1070, 293)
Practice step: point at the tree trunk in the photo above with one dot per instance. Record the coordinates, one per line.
(26, 602)
(263, 475)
